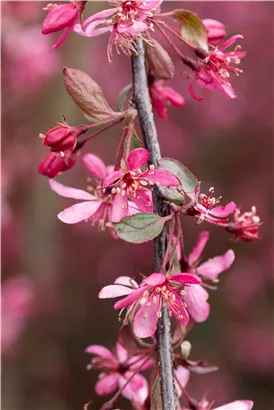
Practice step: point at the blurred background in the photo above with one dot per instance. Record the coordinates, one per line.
(52, 272)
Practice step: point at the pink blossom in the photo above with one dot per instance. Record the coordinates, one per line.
(63, 137)
(116, 369)
(197, 296)
(17, 305)
(127, 21)
(245, 225)
(216, 31)
(146, 300)
(163, 96)
(98, 206)
(215, 67)
(62, 17)
(130, 181)
(235, 405)
(56, 163)
(206, 206)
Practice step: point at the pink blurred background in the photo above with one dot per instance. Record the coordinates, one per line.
(52, 272)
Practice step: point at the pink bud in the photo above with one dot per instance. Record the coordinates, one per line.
(60, 17)
(54, 164)
(63, 137)
(215, 31)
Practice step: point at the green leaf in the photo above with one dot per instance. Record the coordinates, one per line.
(187, 180)
(135, 142)
(192, 28)
(123, 96)
(139, 228)
(172, 194)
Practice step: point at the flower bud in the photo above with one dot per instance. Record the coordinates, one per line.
(54, 164)
(63, 137)
(59, 17)
(185, 349)
(215, 31)
(159, 61)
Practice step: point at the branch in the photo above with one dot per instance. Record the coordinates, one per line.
(143, 105)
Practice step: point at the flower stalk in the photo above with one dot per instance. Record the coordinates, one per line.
(143, 106)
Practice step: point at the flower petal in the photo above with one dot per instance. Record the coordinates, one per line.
(107, 384)
(155, 279)
(91, 30)
(146, 319)
(100, 15)
(230, 41)
(186, 278)
(63, 36)
(126, 281)
(95, 165)
(59, 17)
(214, 266)
(100, 351)
(119, 207)
(113, 177)
(114, 291)
(79, 212)
(183, 375)
(162, 178)
(142, 200)
(237, 405)
(130, 299)
(223, 211)
(121, 353)
(69, 192)
(198, 248)
(136, 390)
(196, 300)
(137, 158)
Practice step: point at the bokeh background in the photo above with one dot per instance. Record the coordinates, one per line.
(52, 272)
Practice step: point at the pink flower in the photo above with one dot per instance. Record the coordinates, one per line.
(216, 31)
(197, 296)
(146, 300)
(55, 163)
(206, 206)
(62, 17)
(127, 21)
(216, 66)
(98, 206)
(116, 369)
(235, 405)
(17, 305)
(163, 96)
(246, 225)
(63, 137)
(134, 183)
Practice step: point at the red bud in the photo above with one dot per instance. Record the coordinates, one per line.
(54, 164)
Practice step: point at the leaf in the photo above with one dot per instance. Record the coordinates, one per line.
(159, 60)
(123, 96)
(193, 30)
(87, 94)
(172, 195)
(139, 228)
(187, 180)
(135, 142)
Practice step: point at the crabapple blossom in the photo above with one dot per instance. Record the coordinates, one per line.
(130, 181)
(116, 368)
(245, 225)
(163, 96)
(145, 301)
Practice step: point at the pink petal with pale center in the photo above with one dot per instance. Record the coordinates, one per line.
(130, 299)
(101, 351)
(183, 375)
(185, 278)
(137, 158)
(95, 165)
(100, 15)
(114, 291)
(196, 253)
(136, 390)
(196, 300)
(213, 267)
(237, 405)
(69, 192)
(155, 279)
(79, 212)
(107, 384)
(146, 319)
(119, 207)
(162, 177)
(223, 211)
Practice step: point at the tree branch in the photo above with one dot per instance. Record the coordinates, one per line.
(143, 105)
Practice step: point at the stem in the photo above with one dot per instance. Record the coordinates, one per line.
(143, 105)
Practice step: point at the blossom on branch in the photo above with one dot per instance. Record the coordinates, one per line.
(162, 96)
(145, 302)
(245, 225)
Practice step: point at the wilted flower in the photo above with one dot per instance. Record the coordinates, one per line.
(134, 183)
(63, 137)
(127, 21)
(145, 301)
(216, 31)
(163, 96)
(215, 67)
(116, 369)
(54, 163)
(98, 206)
(197, 296)
(245, 225)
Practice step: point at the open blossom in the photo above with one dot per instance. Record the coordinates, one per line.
(130, 181)
(245, 225)
(197, 296)
(98, 206)
(235, 405)
(145, 301)
(126, 21)
(116, 368)
(63, 137)
(216, 31)
(163, 96)
(62, 17)
(206, 206)
(215, 67)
